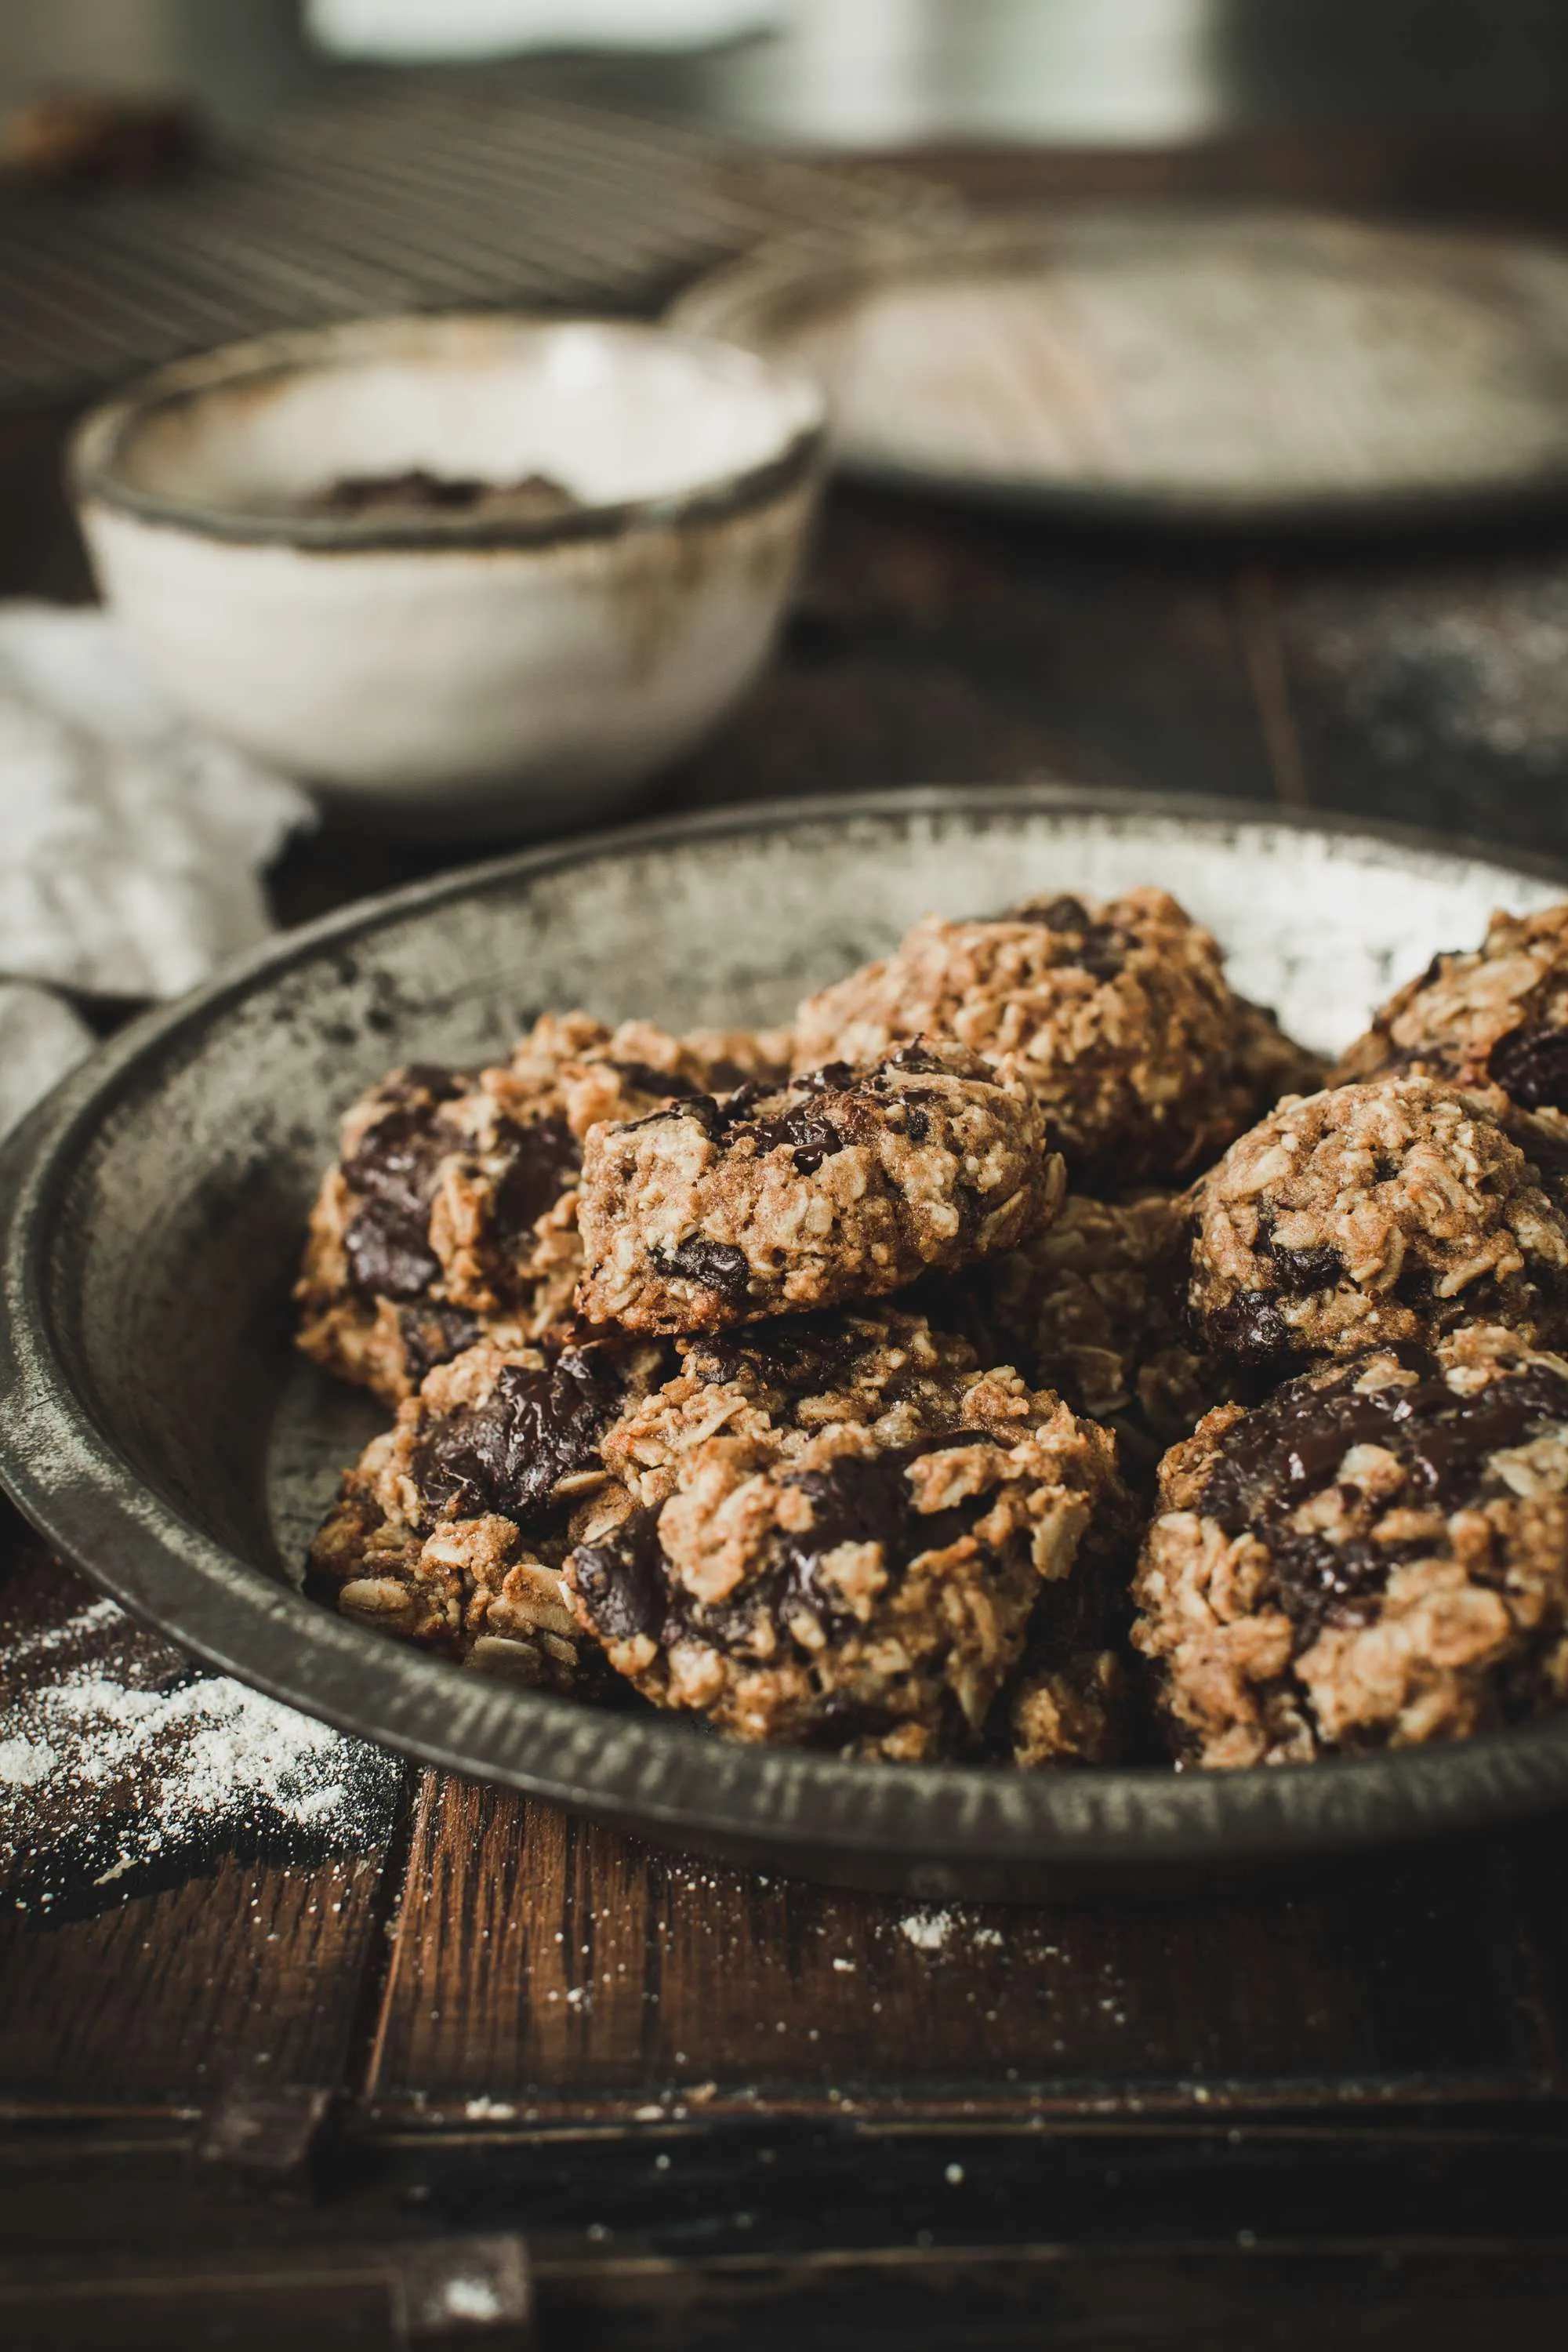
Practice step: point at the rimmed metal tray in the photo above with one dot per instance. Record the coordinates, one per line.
(157, 1428)
(1211, 366)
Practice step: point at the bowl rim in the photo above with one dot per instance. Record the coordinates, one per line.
(98, 443)
(68, 1476)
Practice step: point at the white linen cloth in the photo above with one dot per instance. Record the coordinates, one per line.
(131, 849)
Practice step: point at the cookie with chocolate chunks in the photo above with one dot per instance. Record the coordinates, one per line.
(452, 1212)
(835, 1531)
(1493, 1019)
(451, 1529)
(843, 1184)
(1390, 1210)
(1375, 1556)
(1117, 1015)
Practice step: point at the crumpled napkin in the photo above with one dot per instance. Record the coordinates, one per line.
(131, 849)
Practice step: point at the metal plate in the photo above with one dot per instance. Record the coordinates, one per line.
(1199, 363)
(157, 1429)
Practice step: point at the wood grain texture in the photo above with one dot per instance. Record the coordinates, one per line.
(161, 2002)
(147, 1967)
(540, 1962)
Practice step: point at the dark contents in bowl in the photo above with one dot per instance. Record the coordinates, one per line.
(535, 497)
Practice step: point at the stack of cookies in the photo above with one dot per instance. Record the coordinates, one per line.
(963, 1372)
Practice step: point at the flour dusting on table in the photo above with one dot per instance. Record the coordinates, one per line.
(117, 1756)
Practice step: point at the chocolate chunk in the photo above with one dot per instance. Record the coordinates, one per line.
(1249, 1328)
(394, 1169)
(867, 1499)
(506, 1455)
(397, 1158)
(388, 1256)
(433, 1334)
(1061, 914)
(804, 1354)
(915, 1061)
(543, 1158)
(1531, 1065)
(718, 1265)
(623, 1581)
(810, 1134)
(1099, 949)
(710, 1115)
(1301, 1272)
(832, 1079)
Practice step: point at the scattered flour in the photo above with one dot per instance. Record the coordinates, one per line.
(114, 1754)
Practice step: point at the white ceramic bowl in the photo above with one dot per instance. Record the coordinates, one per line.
(470, 669)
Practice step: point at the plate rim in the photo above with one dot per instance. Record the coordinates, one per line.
(728, 300)
(70, 1481)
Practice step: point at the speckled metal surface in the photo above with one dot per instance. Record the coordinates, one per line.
(157, 1429)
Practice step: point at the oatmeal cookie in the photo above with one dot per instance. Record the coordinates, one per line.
(1074, 1711)
(1094, 1306)
(1373, 1214)
(844, 1184)
(833, 1531)
(1117, 1015)
(451, 1529)
(1375, 1556)
(1494, 1018)
(452, 1212)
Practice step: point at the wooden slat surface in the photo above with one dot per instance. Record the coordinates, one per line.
(539, 1962)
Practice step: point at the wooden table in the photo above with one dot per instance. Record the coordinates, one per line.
(362, 2093)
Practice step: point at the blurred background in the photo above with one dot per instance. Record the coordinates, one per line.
(854, 73)
(178, 173)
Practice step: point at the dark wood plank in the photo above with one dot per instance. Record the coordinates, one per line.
(539, 1963)
(160, 2001)
(159, 1932)
(933, 643)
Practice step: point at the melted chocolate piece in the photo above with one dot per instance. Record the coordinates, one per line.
(537, 1424)
(867, 1499)
(1061, 914)
(394, 1169)
(625, 1583)
(811, 1136)
(543, 1158)
(388, 1256)
(1531, 1065)
(1249, 1328)
(707, 1110)
(912, 1060)
(395, 1161)
(811, 1132)
(1099, 947)
(623, 1580)
(1290, 1448)
(804, 1354)
(718, 1265)
(433, 1334)
(1298, 1273)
